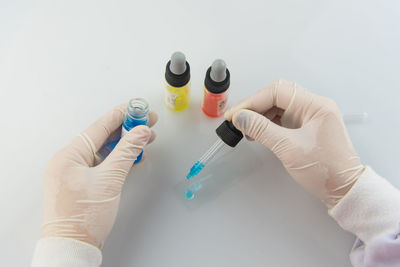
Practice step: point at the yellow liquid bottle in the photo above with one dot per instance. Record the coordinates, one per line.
(177, 98)
(177, 82)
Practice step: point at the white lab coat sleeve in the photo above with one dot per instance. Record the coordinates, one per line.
(65, 252)
(371, 211)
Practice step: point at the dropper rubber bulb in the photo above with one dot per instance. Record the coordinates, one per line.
(178, 63)
(218, 70)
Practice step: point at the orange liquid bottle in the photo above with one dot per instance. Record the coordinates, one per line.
(216, 85)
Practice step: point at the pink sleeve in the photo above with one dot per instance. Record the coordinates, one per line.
(383, 250)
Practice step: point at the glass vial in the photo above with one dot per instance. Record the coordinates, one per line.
(137, 113)
(216, 85)
(177, 82)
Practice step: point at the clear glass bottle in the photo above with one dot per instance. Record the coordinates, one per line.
(137, 113)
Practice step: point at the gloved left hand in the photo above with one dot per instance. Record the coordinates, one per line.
(81, 194)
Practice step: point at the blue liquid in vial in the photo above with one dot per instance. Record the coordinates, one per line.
(106, 149)
(131, 123)
(136, 114)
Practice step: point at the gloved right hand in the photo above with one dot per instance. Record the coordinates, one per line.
(306, 132)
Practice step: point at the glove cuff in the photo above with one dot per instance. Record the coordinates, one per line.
(370, 208)
(60, 252)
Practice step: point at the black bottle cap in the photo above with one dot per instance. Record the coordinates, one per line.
(217, 87)
(229, 134)
(177, 80)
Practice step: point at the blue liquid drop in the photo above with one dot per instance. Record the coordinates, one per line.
(189, 194)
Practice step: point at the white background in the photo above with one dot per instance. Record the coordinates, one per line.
(64, 63)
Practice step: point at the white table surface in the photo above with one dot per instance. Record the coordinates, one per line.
(64, 63)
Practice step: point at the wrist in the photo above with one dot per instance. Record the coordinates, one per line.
(340, 191)
(70, 230)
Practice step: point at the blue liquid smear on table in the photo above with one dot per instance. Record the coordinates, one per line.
(192, 189)
(189, 194)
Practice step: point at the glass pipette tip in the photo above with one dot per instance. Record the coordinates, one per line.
(202, 162)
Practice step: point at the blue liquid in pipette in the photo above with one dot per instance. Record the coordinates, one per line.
(196, 168)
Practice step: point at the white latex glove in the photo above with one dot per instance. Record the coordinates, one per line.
(81, 195)
(306, 132)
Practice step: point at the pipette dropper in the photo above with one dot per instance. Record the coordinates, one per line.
(228, 135)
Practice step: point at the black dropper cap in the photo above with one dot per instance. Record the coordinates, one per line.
(217, 78)
(177, 72)
(229, 134)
